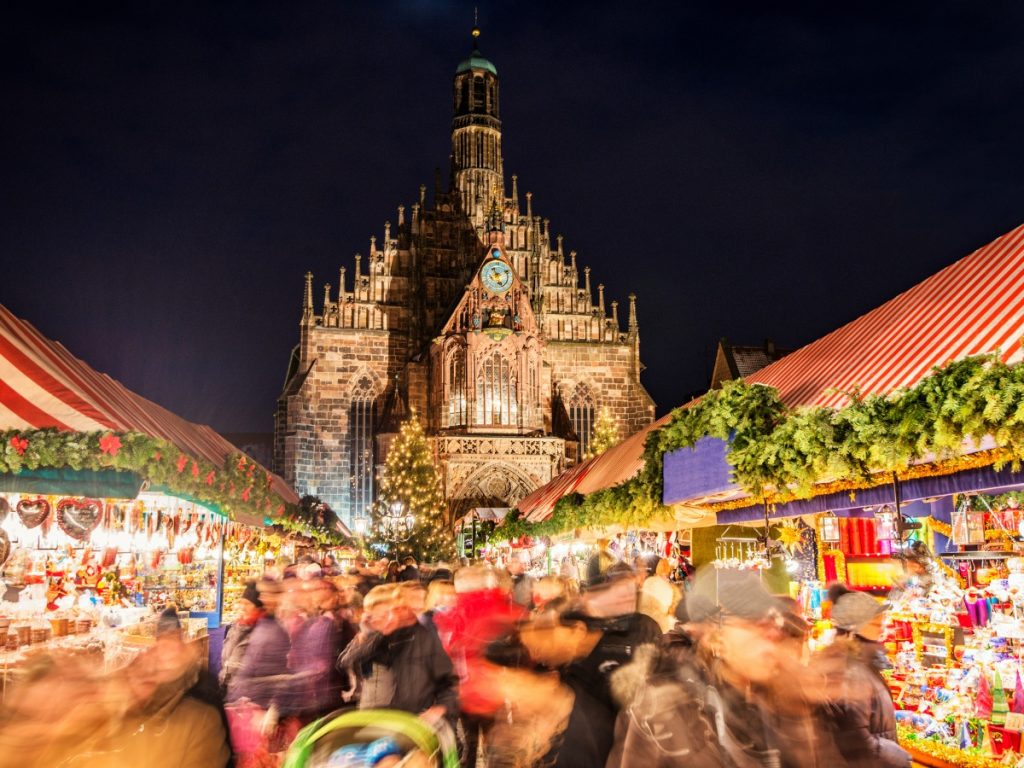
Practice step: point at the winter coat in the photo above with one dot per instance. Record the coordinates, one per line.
(236, 642)
(316, 683)
(861, 711)
(410, 665)
(620, 638)
(477, 619)
(676, 713)
(263, 676)
(170, 729)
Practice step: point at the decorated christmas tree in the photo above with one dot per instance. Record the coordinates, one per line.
(606, 433)
(409, 517)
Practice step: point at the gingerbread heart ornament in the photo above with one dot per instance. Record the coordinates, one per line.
(5, 508)
(5, 546)
(79, 517)
(32, 512)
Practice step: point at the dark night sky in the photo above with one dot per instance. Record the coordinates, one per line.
(171, 169)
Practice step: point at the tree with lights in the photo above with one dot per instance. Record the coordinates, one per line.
(410, 493)
(606, 433)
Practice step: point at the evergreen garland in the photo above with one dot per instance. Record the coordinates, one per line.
(239, 486)
(778, 453)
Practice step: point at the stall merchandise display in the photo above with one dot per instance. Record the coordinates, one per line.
(957, 664)
(88, 575)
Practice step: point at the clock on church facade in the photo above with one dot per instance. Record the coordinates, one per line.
(468, 311)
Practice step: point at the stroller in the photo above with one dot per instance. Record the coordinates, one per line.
(373, 738)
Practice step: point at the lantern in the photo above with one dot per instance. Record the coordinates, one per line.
(828, 529)
(885, 524)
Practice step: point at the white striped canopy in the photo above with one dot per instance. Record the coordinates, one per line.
(44, 385)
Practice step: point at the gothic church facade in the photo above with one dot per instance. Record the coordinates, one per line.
(467, 311)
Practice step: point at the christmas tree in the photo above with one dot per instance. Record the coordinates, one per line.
(606, 433)
(410, 493)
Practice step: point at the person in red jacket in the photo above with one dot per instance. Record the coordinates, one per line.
(482, 613)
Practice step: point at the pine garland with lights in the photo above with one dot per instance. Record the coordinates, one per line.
(239, 485)
(779, 453)
(410, 480)
(606, 433)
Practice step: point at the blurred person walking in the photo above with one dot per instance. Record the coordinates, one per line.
(861, 707)
(737, 699)
(402, 662)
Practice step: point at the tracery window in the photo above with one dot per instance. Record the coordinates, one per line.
(496, 397)
(456, 381)
(581, 414)
(361, 419)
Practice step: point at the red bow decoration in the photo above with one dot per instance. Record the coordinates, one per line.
(241, 462)
(245, 494)
(195, 469)
(158, 456)
(110, 444)
(20, 444)
(182, 461)
(209, 478)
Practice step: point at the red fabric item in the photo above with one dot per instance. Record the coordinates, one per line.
(477, 619)
(252, 618)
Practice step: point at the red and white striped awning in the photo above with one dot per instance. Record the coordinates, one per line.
(618, 464)
(44, 385)
(971, 307)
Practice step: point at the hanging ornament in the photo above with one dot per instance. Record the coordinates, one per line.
(32, 511)
(79, 517)
(5, 547)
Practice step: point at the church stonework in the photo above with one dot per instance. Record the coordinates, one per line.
(469, 312)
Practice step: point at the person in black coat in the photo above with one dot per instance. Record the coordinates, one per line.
(402, 663)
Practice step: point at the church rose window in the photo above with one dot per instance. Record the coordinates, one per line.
(581, 413)
(361, 418)
(496, 397)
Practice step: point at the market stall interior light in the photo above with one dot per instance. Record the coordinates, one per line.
(885, 524)
(829, 528)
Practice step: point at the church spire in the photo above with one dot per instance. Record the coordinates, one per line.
(477, 165)
(307, 300)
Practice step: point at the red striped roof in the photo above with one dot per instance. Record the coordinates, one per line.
(44, 385)
(617, 464)
(973, 306)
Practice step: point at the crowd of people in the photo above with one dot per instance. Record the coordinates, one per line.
(622, 668)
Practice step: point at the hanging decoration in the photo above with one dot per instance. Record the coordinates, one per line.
(828, 528)
(79, 517)
(33, 511)
(236, 486)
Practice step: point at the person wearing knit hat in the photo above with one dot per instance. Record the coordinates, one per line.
(252, 594)
(858, 613)
(861, 709)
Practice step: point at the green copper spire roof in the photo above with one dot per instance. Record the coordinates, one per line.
(476, 59)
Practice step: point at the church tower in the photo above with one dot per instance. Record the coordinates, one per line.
(469, 310)
(477, 172)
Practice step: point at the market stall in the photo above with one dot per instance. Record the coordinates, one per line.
(112, 507)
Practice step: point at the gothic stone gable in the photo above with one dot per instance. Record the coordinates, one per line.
(487, 366)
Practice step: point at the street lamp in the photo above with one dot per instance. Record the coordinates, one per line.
(396, 524)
